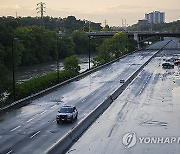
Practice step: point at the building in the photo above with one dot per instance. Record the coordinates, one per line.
(143, 22)
(155, 17)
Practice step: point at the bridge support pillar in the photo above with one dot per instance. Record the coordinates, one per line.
(136, 37)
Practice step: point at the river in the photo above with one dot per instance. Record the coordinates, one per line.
(25, 73)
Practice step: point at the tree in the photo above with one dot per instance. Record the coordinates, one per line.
(119, 41)
(72, 64)
(4, 81)
(38, 44)
(81, 42)
(66, 47)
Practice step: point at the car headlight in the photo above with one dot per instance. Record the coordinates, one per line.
(69, 116)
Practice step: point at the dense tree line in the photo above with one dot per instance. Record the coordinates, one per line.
(172, 26)
(68, 24)
(114, 47)
(33, 44)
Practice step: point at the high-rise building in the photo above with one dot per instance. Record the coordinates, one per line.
(155, 17)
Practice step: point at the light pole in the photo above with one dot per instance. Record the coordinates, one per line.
(89, 54)
(13, 70)
(57, 59)
(89, 51)
(58, 36)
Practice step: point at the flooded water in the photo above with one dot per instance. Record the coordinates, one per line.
(24, 73)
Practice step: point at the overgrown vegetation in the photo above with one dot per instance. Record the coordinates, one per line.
(172, 26)
(33, 44)
(40, 83)
(114, 47)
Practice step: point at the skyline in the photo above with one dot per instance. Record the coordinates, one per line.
(96, 11)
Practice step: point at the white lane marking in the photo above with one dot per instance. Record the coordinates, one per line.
(85, 114)
(35, 134)
(0, 136)
(54, 120)
(15, 128)
(83, 100)
(93, 94)
(43, 112)
(53, 106)
(9, 152)
(30, 120)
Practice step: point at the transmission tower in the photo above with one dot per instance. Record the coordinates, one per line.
(40, 9)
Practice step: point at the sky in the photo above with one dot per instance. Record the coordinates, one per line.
(113, 11)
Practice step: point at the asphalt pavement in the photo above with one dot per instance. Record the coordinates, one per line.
(32, 129)
(144, 119)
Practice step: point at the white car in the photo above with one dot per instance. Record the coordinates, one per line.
(67, 113)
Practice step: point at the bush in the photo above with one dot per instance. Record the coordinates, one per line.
(40, 83)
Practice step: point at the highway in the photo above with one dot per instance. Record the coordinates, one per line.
(33, 129)
(144, 119)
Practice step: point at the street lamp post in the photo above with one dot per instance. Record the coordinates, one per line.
(89, 54)
(57, 59)
(58, 37)
(13, 70)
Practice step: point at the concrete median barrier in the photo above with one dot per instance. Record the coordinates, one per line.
(63, 144)
(29, 99)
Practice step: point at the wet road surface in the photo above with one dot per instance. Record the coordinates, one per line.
(144, 119)
(33, 129)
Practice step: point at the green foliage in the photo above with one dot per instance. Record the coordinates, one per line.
(4, 81)
(38, 44)
(81, 42)
(106, 28)
(114, 47)
(40, 83)
(66, 47)
(172, 26)
(72, 64)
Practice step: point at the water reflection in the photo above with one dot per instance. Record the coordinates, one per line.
(24, 73)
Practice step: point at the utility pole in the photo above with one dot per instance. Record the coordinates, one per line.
(40, 9)
(105, 23)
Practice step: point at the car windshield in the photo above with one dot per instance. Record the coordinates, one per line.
(66, 110)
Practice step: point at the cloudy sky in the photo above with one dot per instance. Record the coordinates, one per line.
(113, 11)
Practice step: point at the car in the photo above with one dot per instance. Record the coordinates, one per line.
(171, 59)
(177, 62)
(122, 81)
(168, 65)
(67, 113)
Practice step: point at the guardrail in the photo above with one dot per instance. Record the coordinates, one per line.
(27, 100)
(67, 140)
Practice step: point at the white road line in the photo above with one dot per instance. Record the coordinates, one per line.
(93, 94)
(15, 128)
(83, 100)
(35, 134)
(0, 136)
(9, 152)
(53, 106)
(30, 120)
(43, 112)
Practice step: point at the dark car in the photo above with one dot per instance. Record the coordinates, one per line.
(171, 59)
(67, 113)
(167, 65)
(176, 63)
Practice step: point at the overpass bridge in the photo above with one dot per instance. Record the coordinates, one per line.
(139, 36)
(132, 33)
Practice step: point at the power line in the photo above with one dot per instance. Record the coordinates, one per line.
(40, 9)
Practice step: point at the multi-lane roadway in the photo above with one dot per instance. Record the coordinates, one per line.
(145, 118)
(32, 129)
